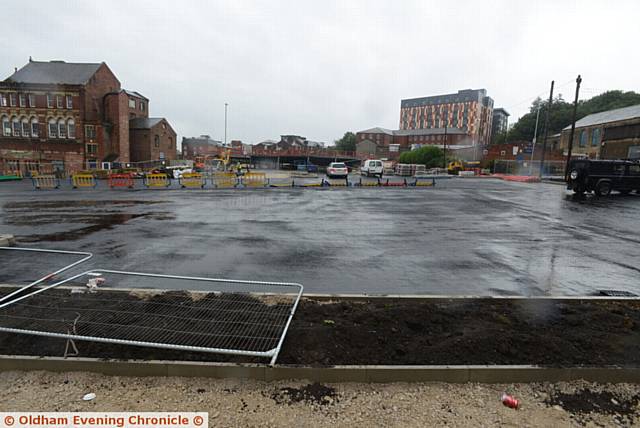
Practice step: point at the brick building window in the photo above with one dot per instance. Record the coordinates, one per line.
(49, 101)
(12, 100)
(69, 102)
(62, 129)
(35, 127)
(25, 128)
(3, 100)
(16, 127)
(142, 106)
(71, 126)
(92, 149)
(595, 137)
(132, 103)
(53, 129)
(59, 101)
(6, 126)
(23, 100)
(32, 100)
(583, 138)
(156, 141)
(89, 132)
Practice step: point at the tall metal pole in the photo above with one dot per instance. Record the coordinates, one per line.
(225, 123)
(546, 129)
(573, 126)
(444, 146)
(535, 136)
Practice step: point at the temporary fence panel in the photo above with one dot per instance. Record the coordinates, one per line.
(281, 182)
(423, 182)
(83, 180)
(45, 182)
(192, 180)
(224, 179)
(39, 252)
(336, 183)
(394, 183)
(369, 183)
(121, 180)
(249, 318)
(254, 179)
(157, 180)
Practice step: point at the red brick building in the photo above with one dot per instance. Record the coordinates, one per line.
(66, 116)
(387, 143)
(152, 139)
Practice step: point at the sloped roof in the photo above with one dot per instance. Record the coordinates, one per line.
(144, 122)
(428, 131)
(625, 113)
(55, 72)
(135, 94)
(377, 130)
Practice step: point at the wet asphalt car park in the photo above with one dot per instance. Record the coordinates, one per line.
(465, 236)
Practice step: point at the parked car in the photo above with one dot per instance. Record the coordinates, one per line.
(337, 170)
(372, 167)
(603, 176)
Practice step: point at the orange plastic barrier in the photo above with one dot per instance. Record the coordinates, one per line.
(121, 180)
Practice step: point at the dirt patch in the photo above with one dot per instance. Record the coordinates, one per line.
(469, 331)
(584, 403)
(313, 393)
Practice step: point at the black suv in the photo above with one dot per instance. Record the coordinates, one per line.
(603, 176)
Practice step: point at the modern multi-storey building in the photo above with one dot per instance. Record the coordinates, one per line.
(500, 122)
(469, 110)
(67, 116)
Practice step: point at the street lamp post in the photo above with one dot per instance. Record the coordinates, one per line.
(225, 123)
(444, 145)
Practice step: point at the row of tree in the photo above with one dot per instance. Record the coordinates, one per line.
(560, 114)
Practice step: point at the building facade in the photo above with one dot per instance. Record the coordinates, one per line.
(66, 117)
(469, 110)
(500, 122)
(203, 145)
(613, 134)
(152, 139)
(387, 143)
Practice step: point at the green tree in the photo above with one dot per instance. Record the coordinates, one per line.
(431, 157)
(561, 112)
(347, 143)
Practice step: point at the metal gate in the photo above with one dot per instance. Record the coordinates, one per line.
(249, 318)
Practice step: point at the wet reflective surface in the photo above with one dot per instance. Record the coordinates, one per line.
(465, 236)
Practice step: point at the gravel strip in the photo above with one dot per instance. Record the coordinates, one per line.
(232, 402)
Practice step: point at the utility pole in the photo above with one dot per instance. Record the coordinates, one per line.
(546, 129)
(535, 137)
(444, 146)
(573, 126)
(225, 123)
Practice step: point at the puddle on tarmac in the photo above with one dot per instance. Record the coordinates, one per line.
(38, 213)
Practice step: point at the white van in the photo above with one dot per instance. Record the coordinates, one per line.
(372, 167)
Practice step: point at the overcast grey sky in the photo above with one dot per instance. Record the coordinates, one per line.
(320, 68)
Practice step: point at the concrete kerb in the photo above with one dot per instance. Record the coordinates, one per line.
(335, 374)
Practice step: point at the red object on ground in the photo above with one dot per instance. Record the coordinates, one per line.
(510, 401)
(121, 180)
(521, 178)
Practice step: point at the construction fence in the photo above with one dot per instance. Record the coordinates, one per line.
(514, 167)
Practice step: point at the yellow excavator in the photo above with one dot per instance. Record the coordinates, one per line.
(454, 167)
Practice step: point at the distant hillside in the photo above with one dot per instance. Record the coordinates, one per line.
(561, 112)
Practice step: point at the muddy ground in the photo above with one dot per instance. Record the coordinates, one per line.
(480, 331)
(245, 403)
